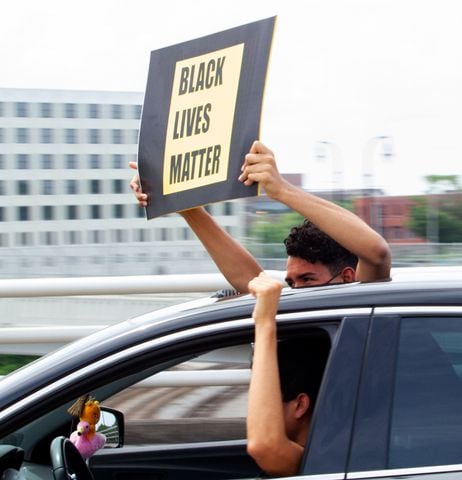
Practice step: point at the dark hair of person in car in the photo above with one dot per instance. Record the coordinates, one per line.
(301, 366)
(306, 241)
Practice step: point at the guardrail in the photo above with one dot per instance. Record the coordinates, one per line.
(52, 287)
(37, 340)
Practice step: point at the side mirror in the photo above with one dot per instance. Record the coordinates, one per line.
(111, 424)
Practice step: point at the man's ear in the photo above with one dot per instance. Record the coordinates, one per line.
(302, 404)
(348, 275)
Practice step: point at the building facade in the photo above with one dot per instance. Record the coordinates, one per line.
(66, 208)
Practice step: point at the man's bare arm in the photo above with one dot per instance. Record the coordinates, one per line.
(236, 263)
(267, 440)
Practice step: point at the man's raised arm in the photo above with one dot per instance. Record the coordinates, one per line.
(344, 227)
(236, 263)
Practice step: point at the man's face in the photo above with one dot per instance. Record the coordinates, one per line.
(301, 273)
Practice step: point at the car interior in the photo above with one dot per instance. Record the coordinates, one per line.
(157, 427)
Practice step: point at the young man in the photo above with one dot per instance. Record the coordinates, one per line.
(334, 222)
(283, 387)
(332, 246)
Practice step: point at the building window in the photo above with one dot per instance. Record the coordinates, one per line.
(71, 161)
(47, 187)
(74, 237)
(2, 214)
(2, 112)
(70, 135)
(48, 238)
(119, 236)
(23, 214)
(46, 110)
(118, 211)
(22, 135)
(95, 186)
(135, 136)
(93, 135)
(22, 187)
(24, 238)
(70, 110)
(117, 136)
(22, 161)
(117, 186)
(228, 208)
(93, 110)
(71, 187)
(47, 161)
(95, 161)
(95, 211)
(140, 212)
(142, 235)
(117, 160)
(22, 109)
(117, 111)
(2, 160)
(1, 135)
(96, 236)
(2, 187)
(136, 110)
(47, 212)
(72, 212)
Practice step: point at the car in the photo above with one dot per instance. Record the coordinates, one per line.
(172, 387)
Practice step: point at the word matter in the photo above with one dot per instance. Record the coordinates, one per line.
(196, 164)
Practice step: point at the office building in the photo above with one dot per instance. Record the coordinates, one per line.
(66, 208)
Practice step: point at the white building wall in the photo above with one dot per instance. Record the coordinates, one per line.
(45, 229)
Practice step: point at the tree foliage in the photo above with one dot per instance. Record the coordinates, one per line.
(444, 213)
(269, 231)
(446, 182)
(270, 228)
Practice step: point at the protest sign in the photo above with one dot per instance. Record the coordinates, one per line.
(201, 113)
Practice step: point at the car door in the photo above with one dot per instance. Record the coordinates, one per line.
(189, 450)
(409, 416)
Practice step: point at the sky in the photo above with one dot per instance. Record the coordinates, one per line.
(348, 79)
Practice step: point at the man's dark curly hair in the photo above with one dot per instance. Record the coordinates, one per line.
(308, 242)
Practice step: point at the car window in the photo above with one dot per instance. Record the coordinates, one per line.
(426, 427)
(199, 400)
(204, 399)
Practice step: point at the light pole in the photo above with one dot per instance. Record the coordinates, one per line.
(324, 149)
(432, 227)
(369, 158)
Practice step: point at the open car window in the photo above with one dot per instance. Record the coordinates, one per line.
(198, 400)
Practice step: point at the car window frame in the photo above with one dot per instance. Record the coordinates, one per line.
(386, 321)
(329, 440)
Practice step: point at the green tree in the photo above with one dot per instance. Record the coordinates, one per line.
(270, 228)
(445, 182)
(446, 215)
(8, 363)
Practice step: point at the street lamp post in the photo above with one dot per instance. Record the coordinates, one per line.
(369, 158)
(324, 149)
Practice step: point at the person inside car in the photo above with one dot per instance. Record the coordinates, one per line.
(284, 384)
(306, 264)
